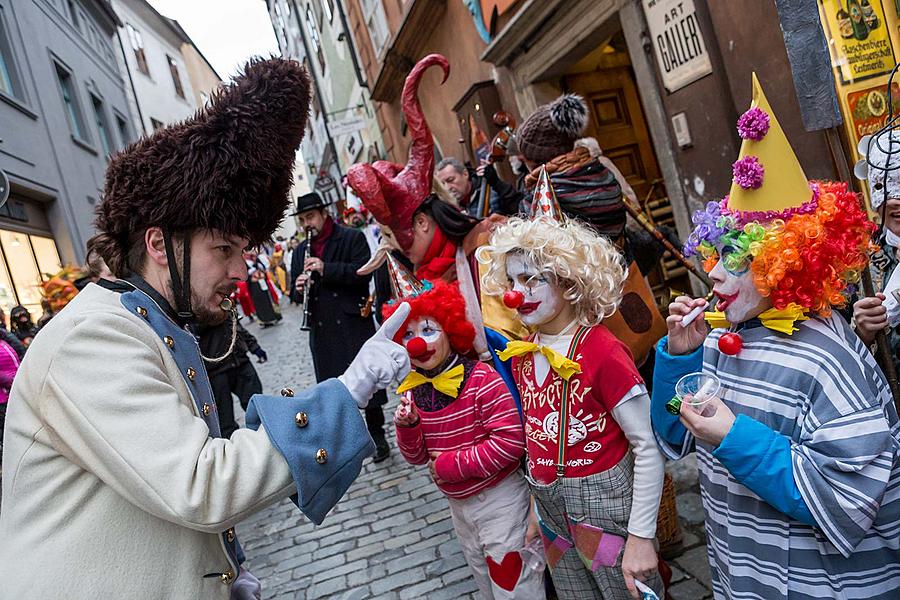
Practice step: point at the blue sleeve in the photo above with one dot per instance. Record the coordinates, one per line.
(666, 373)
(322, 436)
(496, 343)
(760, 459)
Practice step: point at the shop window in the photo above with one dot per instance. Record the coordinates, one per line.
(70, 101)
(102, 126)
(176, 78)
(10, 83)
(27, 261)
(137, 46)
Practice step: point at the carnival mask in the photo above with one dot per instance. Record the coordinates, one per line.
(541, 300)
(426, 343)
(734, 287)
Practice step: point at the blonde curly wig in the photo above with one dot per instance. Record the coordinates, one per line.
(588, 267)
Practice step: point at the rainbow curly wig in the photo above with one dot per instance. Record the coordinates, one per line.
(444, 303)
(806, 255)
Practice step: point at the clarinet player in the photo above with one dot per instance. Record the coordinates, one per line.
(330, 256)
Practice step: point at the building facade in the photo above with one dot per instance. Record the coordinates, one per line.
(63, 110)
(665, 81)
(342, 128)
(160, 88)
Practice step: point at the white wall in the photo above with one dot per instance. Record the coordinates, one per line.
(155, 94)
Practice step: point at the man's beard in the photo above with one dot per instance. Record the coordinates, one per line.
(205, 316)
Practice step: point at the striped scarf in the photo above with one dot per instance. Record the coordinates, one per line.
(592, 194)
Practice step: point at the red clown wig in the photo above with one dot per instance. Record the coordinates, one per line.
(443, 303)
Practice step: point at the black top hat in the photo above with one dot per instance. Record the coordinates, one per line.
(308, 202)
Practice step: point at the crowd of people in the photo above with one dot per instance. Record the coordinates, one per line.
(539, 384)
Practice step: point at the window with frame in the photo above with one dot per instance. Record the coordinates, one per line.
(70, 102)
(156, 124)
(328, 9)
(102, 126)
(73, 14)
(176, 78)
(124, 130)
(137, 45)
(10, 82)
(376, 23)
(313, 32)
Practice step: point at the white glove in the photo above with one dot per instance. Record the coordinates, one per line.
(379, 362)
(246, 587)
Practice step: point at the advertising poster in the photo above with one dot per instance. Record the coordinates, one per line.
(861, 41)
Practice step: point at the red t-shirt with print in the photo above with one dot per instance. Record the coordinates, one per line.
(595, 441)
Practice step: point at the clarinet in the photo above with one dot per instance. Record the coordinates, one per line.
(307, 288)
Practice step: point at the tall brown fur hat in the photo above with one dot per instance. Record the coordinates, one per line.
(229, 167)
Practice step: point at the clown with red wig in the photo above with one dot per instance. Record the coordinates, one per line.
(798, 449)
(457, 416)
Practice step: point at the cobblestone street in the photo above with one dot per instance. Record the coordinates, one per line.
(391, 536)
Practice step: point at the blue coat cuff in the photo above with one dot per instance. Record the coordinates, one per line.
(760, 459)
(666, 373)
(324, 447)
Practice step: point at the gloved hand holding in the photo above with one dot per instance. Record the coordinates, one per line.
(379, 362)
(261, 355)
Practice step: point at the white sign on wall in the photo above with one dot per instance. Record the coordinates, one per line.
(677, 42)
(347, 125)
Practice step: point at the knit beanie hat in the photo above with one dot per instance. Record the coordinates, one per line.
(552, 129)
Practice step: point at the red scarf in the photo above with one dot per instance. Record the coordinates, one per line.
(441, 255)
(318, 242)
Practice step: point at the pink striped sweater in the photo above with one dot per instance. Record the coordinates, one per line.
(479, 436)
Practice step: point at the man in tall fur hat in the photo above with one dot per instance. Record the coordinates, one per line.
(116, 481)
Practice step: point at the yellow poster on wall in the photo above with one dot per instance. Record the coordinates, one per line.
(860, 38)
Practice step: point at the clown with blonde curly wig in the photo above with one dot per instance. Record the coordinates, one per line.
(564, 280)
(792, 420)
(457, 416)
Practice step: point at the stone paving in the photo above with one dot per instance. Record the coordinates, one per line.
(391, 536)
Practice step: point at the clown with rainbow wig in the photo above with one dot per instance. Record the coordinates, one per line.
(798, 449)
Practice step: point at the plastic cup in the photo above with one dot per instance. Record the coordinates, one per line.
(697, 389)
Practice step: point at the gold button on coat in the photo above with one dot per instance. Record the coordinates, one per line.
(191, 373)
(206, 410)
(287, 392)
(169, 341)
(142, 311)
(228, 577)
(321, 456)
(301, 419)
(229, 535)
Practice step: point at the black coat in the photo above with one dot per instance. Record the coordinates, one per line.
(338, 330)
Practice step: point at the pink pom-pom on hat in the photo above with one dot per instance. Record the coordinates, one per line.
(748, 173)
(753, 124)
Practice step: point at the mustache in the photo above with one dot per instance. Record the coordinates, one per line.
(227, 290)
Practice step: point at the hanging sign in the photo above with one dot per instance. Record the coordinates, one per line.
(677, 42)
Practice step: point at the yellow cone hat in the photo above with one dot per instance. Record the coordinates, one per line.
(780, 184)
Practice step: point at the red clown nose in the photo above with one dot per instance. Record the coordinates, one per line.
(513, 299)
(730, 344)
(416, 347)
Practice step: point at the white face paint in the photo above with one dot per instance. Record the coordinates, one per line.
(543, 300)
(738, 297)
(436, 341)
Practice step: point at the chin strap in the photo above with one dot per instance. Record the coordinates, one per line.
(181, 287)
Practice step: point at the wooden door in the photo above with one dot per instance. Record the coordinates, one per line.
(616, 119)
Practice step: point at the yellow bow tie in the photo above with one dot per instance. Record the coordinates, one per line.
(563, 366)
(777, 320)
(447, 382)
